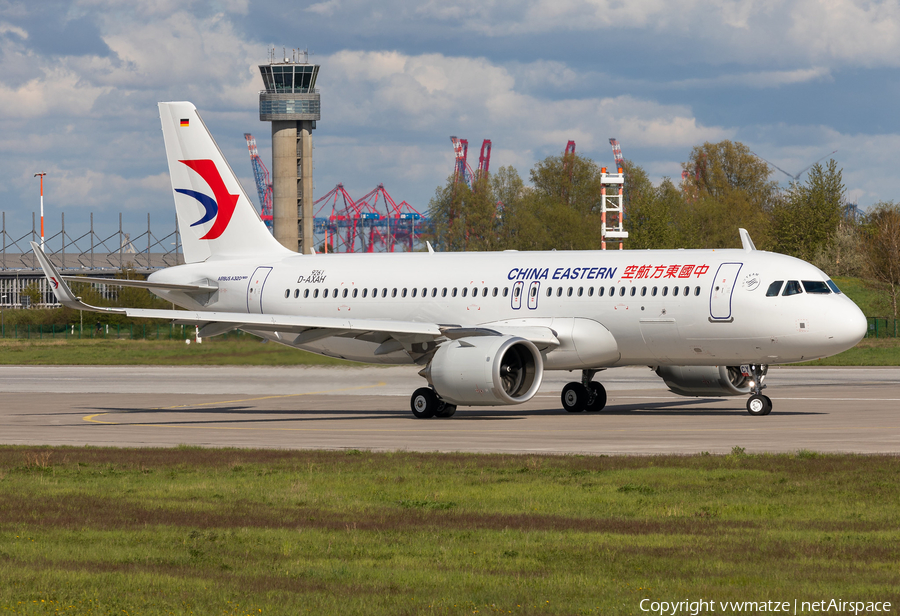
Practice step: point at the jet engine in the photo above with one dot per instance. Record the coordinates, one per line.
(705, 380)
(486, 370)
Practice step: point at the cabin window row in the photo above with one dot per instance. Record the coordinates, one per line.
(485, 291)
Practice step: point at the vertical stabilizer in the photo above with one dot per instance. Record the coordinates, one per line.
(215, 217)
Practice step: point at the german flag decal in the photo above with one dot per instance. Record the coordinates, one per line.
(185, 122)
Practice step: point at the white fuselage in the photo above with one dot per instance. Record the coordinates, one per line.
(679, 307)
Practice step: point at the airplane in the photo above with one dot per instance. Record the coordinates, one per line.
(483, 326)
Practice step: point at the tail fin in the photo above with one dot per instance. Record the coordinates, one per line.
(215, 217)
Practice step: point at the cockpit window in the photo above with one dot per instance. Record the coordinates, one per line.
(816, 286)
(832, 286)
(792, 288)
(774, 288)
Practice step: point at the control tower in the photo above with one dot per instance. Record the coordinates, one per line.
(291, 103)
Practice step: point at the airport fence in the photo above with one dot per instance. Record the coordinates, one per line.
(882, 327)
(75, 331)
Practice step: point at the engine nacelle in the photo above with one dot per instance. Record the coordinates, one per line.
(486, 370)
(705, 380)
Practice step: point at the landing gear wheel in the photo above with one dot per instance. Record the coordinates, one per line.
(424, 403)
(599, 401)
(759, 405)
(574, 397)
(445, 410)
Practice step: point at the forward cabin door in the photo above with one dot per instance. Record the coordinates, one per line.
(255, 289)
(720, 294)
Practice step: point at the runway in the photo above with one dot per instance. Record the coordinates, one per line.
(818, 409)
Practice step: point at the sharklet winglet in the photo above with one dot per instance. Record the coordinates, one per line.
(61, 290)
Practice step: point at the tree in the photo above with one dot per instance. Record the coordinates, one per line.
(882, 245)
(651, 213)
(807, 219)
(465, 219)
(726, 187)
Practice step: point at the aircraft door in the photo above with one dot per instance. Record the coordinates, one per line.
(533, 294)
(720, 293)
(517, 295)
(255, 289)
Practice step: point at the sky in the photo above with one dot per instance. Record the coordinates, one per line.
(792, 79)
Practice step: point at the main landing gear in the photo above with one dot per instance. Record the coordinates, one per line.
(425, 403)
(758, 404)
(587, 395)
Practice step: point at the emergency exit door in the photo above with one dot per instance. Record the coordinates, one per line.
(722, 289)
(255, 289)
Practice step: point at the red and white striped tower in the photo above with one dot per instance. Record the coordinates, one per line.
(42, 206)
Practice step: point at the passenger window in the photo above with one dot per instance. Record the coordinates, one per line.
(600, 291)
(344, 294)
(621, 291)
(315, 293)
(653, 291)
(355, 291)
(643, 291)
(549, 291)
(334, 293)
(533, 291)
(484, 292)
(403, 292)
(324, 293)
(394, 293)
(434, 292)
(305, 293)
(495, 292)
(792, 288)
(612, 291)
(384, 292)
(696, 291)
(580, 291)
(365, 292)
(665, 291)
(375, 292)
(590, 291)
(633, 291)
(517, 291)
(559, 292)
(505, 291)
(464, 291)
(674, 291)
(453, 293)
(414, 291)
(569, 293)
(686, 292)
(444, 292)
(287, 293)
(774, 288)
(816, 286)
(425, 292)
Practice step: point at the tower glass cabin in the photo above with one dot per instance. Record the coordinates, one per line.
(291, 103)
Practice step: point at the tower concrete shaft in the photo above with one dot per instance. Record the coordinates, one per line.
(291, 102)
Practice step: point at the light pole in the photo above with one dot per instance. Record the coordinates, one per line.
(42, 206)
(2, 322)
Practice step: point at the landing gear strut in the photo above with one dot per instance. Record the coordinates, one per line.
(424, 404)
(758, 404)
(588, 395)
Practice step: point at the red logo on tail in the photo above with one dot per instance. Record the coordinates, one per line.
(225, 202)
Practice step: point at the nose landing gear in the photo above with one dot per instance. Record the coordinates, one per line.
(758, 404)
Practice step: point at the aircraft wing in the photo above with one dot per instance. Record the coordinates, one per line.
(393, 335)
(144, 284)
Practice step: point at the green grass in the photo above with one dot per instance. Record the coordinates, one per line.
(869, 352)
(204, 531)
(246, 350)
(870, 296)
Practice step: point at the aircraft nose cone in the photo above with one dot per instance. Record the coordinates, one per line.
(850, 326)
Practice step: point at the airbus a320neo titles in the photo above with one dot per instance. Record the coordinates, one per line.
(485, 326)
